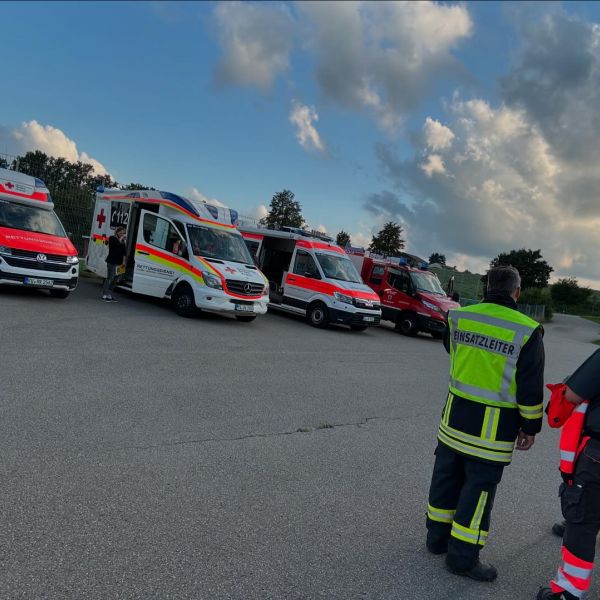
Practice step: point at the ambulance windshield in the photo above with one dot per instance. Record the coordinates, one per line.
(209, 242)
(337, 266)
(427, 282)
(29, 218)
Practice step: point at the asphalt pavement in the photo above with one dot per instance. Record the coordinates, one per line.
(144, 455)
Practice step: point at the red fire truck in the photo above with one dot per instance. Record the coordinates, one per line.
(411, 298)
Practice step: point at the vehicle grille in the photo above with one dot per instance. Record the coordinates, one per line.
(30, 254)
(24, 263)
(244, 288)
(369, 305)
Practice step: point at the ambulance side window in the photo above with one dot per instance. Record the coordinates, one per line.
(305, 265)
(162, 234)
(377, 274)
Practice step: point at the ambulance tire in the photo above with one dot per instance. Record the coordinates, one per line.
(407, 324)
(317, 315)
(245, 318)
(184, 302)
(62, 294)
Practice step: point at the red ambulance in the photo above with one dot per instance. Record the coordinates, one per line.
(35, 251)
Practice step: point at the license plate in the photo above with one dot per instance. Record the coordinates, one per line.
(38, 282)
(244, 307)
(368, 319)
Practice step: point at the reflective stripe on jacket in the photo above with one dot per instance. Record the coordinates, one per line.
(571, 438)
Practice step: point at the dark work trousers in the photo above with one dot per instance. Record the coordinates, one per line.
(580, 504)
(461, 498)
(111, 279)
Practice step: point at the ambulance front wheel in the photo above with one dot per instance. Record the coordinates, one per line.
(317, 315)
(245, 318)
(62, 294)
(184, 302)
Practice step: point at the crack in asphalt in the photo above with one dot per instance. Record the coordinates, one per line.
(249, 436)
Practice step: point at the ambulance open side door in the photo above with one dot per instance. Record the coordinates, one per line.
(159, 250)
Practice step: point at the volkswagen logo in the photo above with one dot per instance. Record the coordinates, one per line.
(41, 258)
(248, 288)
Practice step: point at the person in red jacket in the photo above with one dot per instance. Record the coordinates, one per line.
(580, 490)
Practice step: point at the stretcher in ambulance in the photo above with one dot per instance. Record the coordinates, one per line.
(187, 251)
(311, 276)
(35, 251)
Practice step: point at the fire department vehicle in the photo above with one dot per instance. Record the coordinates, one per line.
(411, 298)
(181, 249)
(310, 276)
(35, 251)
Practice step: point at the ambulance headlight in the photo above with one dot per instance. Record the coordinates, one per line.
(266, 290)
(343, 298)
(213, 281)
(5, 251)
(431, 306)
(72, 260)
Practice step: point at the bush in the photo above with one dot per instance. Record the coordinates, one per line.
(538, 296)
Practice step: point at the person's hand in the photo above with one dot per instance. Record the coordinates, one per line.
(524, 441)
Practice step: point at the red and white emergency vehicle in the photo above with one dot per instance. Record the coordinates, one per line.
(181, 249)
(411, 298)
(35, 251)
(311, 276)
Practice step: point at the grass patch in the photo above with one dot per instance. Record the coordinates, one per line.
(325, 426)
(597, 342)
(593, 319)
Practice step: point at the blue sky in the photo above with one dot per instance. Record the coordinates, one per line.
(140, 88)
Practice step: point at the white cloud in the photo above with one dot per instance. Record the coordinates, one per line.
(195, 194)
(261, 211)
(434, 164)
(31, 136)
(437, 136)
(383, 57)
(303, 117)
(256, 39)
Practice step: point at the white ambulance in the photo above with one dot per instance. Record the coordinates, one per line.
(35, 251)
(311, 276)
(181, 249)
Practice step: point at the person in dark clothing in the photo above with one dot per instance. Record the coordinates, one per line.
(495, 398)
(580, 491)
(116, 255)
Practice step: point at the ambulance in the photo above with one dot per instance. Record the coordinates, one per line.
(411, 298)
(35, 251)
(185, 250)
(310, 276)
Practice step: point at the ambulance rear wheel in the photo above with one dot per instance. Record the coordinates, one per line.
(317, 315)
(184, 302)
(245, 318)
(62, 294)
(407, 324)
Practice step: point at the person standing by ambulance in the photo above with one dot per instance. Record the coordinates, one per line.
(575, 406)
(116, 255)
(495, 398)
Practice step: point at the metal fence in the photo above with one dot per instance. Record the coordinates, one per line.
(536, 311)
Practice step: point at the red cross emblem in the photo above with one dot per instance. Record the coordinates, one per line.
(9, 185)
(101, 219)
(230, 270)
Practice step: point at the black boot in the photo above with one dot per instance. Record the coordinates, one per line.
(438, 547)
(558, 529)
(546, 593)
(480, 571)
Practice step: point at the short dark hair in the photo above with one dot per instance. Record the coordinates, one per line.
(503, 279)
(119, 229)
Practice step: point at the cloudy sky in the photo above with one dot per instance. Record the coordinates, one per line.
(475, 125)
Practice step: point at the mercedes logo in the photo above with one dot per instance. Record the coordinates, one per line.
(41, 258)
(248, 288)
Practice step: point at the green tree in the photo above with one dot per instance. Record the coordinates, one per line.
(284, 211)
(534, 270)
(567, 291)
(388, 241)
(342, 239)
(135, 186)
(438, 258)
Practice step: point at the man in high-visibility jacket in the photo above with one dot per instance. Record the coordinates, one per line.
(495, 399)
(580, 490)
